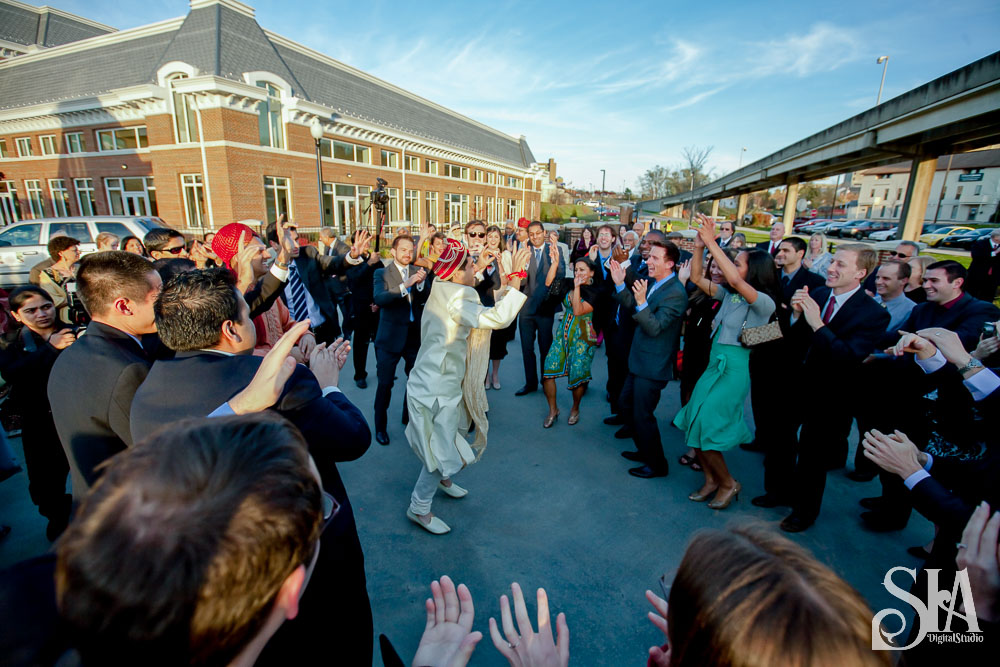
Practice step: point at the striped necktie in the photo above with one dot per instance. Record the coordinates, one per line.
(297, 304)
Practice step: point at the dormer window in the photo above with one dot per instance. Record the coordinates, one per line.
(269, 117)
(185, 120)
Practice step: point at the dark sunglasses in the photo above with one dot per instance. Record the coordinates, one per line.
(893, 253)
(174, 251)
(477, 235)
(330, 509)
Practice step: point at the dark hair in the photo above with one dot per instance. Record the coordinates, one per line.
(728, 222)
(536, 223)
(214, 515)
(58, 244)
(904, 268)
(747, 596)
(495, 228)
(168, 267)
(400, 238)
(655, 235)
(611, 230)
(158, 237)
(193, 306)
(106, 276)
(271, 232)
(591, 264)
(474, 223)
(953, 269)
(124, 242)
(672, 252)
(20, 296)
(762, 274)
(798, 245)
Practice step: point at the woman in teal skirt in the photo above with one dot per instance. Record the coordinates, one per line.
(575, 340)
(713, 419)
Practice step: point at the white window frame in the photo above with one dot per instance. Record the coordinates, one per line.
(81, 143)
(140, 135)
(59, 195)
(411, 206)
(4, 153)
(431, 206)
(393, 161)
(23, 146)
(84, 186)
(451, 169)
(412, 163)
(272, 183)
(479, 175)
(48, 144)
(278, 96)
(36, 200)
(185, 119)
(478, 206)
(191, 184)
(431, 166)
(148, 193)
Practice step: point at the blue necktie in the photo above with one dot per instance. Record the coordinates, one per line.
(297, 304)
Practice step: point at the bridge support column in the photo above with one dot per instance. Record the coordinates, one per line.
(741, 208)
(715, 208)
(918, 190)
(788, 214)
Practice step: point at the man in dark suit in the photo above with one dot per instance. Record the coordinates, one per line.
(838, 325)
(93, 381)
(400, 292)
(510, 233)
(340, 292)
(984, 271)
(772, 245)
(204, 318)
(536, 317)
(657, 305)
(306, 293)
(726, 230)
(361, 282)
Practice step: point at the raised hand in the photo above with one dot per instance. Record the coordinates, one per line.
(987, 347)
(617, 272)
(706, 230)
(360, 243)
(684, 271)
(242, 263)
(639, 291)
(618, 254)
(521, 259)
(415, 278)
(289, 248)
(979, 555)
(659, 656)
(592, 253)
(553, 253)
(323, 363)
(524, 647)
(448, 640)
(272, 374)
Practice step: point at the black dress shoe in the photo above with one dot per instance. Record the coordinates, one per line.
(634, 456)
(525, 390)
(752, 447)
(614, 420)
(646, 472)
(871, 503)
(879, 522)
(362, 383)
(624, 433)
(769, 500)
(858, 476)
(381, 437)
(794, 523)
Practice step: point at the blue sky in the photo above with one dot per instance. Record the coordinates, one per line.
(624, 86)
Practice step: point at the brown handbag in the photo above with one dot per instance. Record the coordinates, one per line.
(754, 336)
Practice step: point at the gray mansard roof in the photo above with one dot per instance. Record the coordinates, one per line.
(23, 24)
(218, 40)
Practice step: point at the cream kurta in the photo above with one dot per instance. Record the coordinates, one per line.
(439, 418)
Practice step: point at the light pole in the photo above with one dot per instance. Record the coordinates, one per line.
(316, 130)
(602, 193)
(742, 151)
(885, 66)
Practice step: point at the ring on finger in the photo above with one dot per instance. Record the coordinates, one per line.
(513, 646)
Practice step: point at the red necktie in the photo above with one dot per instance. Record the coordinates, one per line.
(828, 313)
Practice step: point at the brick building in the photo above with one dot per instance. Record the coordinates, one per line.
(208, 118)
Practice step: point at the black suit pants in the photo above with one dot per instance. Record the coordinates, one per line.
(823, 434)
(385, 367)
(766, 391)
(530, 326)
(618, 344)
(643, 395)
(343, 301)
(47, 467)
(365, 326)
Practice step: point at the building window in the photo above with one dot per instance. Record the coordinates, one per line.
(412, 163)
(390, 159)
(973, 212)
(431, 202)
(127, 138)
(341, 150)
(411, 207)
(895, 211)
(872, 193)
(513, 209)
(3, 149)
(85, 196)
(185, 120)
(899, 193)
(944, 192)
(477, 208)
(60, 197)
(10, 207)
(23, 146)
(269, 117)
(479, 175)
(979, 190)
(75, 143)
(455, 171)
(958, 191)
(954, 212)
(431, 166)
(48, 142)
(194, 199)
(393, 211)
(131, 196)
(277, 197)
(36, 202)
(490, 210)
(456, 209)
(516, 183)
(491, 178)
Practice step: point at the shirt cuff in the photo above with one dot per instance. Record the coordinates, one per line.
(222, 411)
(916, 478)
(982, 384)
(619, 288)
(280, 274)
(327, 391)
(403, 290)
(641, 307)
(627, 263)
(353, 261)
(935, 363)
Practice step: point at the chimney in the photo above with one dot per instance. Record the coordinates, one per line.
(552, 169)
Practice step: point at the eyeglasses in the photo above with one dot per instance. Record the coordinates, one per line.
(174, 251)
(330, 509)
(477, 235)
(893, 253)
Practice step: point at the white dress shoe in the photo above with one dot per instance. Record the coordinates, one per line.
(455, 491)
(436, 526)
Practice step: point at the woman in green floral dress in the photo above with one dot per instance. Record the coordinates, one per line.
(573, 346)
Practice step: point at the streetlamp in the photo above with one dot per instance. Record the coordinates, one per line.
(880, 61)
(316, 130)
(602, 193)
(742, 151)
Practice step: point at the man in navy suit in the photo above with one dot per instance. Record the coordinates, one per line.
(839, 326)
(538, 313)
(204, 318)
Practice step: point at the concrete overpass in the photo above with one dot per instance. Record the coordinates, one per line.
(955, 113)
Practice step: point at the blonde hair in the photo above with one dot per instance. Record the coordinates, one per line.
(822, 238)
(867, 258)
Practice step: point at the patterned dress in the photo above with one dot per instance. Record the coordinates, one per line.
(572, 351)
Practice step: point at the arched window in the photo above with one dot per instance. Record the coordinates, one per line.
(185, 120)
(269, 117)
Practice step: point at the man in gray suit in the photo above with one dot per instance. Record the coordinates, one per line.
(657, 306)
(538, 312)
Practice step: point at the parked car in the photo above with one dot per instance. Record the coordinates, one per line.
(835, 228)
(24, 244)
(862, 229)
(817, 225)
(884, 235)
(965, 240)
(934, 238)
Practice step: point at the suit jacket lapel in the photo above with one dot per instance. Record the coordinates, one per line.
(848, 306)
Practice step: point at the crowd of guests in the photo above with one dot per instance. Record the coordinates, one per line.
(190, 388)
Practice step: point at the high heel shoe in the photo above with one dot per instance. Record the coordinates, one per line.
(549, 421)
(574, 417)
(722, 502)
(699, 497)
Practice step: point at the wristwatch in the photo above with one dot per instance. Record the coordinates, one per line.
(973, 363)
(280, 265)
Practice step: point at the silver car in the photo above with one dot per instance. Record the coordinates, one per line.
(24, 244)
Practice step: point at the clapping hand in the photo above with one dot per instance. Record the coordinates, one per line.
(659, 656)
(269, 380)
(618, 254)
(684, 271)
(553, 253)
(325, 361)
(913, 344)
(360, 243)
(415, 278)
(448, 640)
(804, 304)
(592, 253)
(307, 343)
(979, 555)
(894, 453)
(289, 248)
(521, 258)
(530, 649)
(639, 291)
(617, 272)
(242, 263)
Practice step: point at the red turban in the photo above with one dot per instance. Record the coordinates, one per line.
(452, 258)
(523, 222)
(227, 240)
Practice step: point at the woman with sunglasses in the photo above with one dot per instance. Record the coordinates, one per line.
(27, 354)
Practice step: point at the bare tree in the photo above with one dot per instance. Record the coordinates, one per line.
(695, 159)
